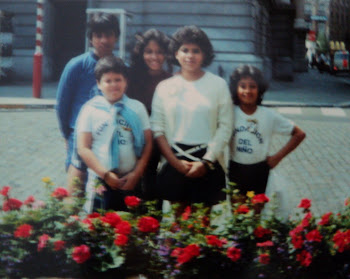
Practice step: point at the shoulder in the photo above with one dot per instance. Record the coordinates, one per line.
(82, 60)
(214, 78)
(169, 85)
(134, 104)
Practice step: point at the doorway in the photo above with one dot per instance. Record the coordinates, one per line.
(68, 27)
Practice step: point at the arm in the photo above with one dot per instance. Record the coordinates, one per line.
(134, 176)
(84, 141)
(64, 96)
(224, 128)
(297, 137)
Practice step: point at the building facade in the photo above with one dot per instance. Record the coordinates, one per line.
(265, 33)
(339, 22)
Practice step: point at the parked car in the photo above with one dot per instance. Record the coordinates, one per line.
(340, 62)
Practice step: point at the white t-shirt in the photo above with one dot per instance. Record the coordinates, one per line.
(253, 133)
(98, 122)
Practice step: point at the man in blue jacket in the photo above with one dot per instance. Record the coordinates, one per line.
(78, 84)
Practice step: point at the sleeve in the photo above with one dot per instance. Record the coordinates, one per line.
(143, 115)
(84, 120)
(224, 129)
(282, 125)
(157, 115)
(64, 96)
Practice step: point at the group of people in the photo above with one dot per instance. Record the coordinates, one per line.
(141, 130)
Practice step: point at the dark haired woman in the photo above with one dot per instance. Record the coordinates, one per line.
(192, 121)
(147, 70)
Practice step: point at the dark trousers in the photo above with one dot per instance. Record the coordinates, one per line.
(252, 177)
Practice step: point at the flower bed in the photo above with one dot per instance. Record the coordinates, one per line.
(67, 243)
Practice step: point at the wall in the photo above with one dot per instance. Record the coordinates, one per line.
(230, 24)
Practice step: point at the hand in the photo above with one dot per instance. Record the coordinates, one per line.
(114, 181)
(183, 166)
(198, 169)
(131, 180)
(273, 161)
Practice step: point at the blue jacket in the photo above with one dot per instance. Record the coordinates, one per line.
(76, 86)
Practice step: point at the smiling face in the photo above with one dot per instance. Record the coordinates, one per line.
(154, 57)
(247, 91)
(103, 43)
(190, 58)
(113, 86)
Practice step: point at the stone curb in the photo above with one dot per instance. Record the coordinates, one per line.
(267, 104)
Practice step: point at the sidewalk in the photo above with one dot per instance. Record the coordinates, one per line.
(20, 95)
(308, 89)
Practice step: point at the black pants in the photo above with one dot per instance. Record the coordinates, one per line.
(252, 177)
(175, 186)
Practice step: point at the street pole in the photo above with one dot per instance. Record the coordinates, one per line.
(38, 55)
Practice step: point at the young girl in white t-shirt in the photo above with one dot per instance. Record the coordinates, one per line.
(254, 126)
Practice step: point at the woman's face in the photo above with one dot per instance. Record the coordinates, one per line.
(190, 57)
(154, 57)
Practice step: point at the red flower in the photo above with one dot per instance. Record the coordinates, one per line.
(186, 214)
(342, 241)
(29, 201)
(234, 253)
(94, 215)
(24, 230)
(260, 232)
(11, 204)
(305, 258)
(260, 198)
(242, 209)
(121, 240)
(305, 203)
(187, 253)
(148, 224)
(43, 241)
(58, 245)
(297, 241)
(213, 240)
(132, 201)
(268, 243)
(325, 219)
(60, 193)
(347, 202)
(296, 231)
(264, 258)
(123, 227)
(5, 190)
(111, 218)
(81, 253)
(176, 252)
(314, 235)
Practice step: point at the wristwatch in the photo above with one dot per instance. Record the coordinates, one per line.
(208, 164)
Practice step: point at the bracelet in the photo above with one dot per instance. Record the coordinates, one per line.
(208, 164)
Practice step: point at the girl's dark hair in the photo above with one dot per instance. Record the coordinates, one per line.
(192, 35)
(247, 71)
(102, 23)
(109, 64)
(138, 67)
